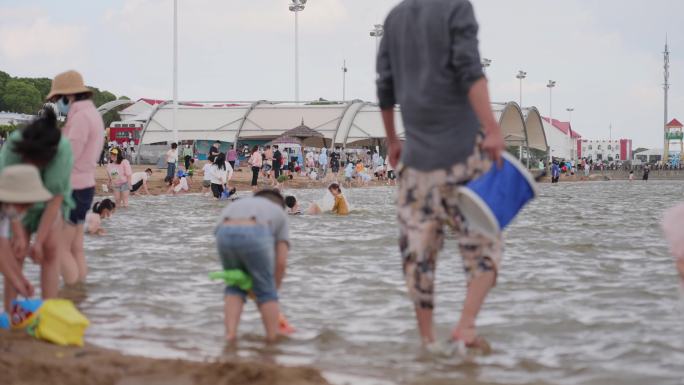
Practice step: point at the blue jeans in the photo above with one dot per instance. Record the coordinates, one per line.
(170, 171)
(252, 249)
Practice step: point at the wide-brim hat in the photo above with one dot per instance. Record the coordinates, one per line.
(22, 184)
(68, 83)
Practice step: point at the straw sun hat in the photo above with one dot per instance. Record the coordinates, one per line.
(21, 183)
(67, 83)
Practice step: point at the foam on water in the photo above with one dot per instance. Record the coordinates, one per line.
(587, 292)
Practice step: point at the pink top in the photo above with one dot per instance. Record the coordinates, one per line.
(120, 173)
(673, 227)
(85, 130)
(232, 156)
(255, 160)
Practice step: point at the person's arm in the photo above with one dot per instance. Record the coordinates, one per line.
(145, 187)
(10, 269)
(336, 206)
(20, 239)
(78, 134)
(387, 98)
(52, 210)
(128, 172)
(493, 143)
(282, 248)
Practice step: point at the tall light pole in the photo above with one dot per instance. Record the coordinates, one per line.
(570, 110)
(377, 32)
(486, 63)
(344, 81)
(666, 88)
(175, 71)
(521, 75)
(297, 6)
(550, 85)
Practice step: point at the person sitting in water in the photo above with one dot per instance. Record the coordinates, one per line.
(253, 235)
(292, 205)
(101, 210)
(179, 185)
(340, 207)
(139, 179)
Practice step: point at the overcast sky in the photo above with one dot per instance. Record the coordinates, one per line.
(605, 55)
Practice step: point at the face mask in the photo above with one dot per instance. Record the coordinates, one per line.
(13, 213)
(62, 107)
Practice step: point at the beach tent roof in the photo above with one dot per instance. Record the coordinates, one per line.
(340, 123)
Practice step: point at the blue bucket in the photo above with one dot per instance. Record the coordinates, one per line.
(490, 202)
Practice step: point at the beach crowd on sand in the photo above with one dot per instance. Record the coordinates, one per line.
(47, 182)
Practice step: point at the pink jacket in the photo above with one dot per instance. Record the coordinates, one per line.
(85, 130)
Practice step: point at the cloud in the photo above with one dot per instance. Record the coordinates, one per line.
(37, 43)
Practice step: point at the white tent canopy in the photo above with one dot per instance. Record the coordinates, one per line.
(347, 123)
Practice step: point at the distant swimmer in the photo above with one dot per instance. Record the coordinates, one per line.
(647, 170)
(340, 207)
(93, 220)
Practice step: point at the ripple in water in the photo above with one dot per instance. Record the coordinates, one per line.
(587, 293)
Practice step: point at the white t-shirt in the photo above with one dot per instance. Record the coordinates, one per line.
(171, 156)
(139, 176)
(221, 176)
(206, 170)
(183, 185)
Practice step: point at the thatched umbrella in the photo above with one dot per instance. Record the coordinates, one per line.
(305, 135)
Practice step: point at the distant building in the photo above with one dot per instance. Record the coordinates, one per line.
(605, 150)
(561, 139)
(674, 137)
(654, 155)
(12, 118)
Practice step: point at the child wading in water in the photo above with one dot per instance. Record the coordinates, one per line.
(94, 218)
(20, 187)
(119, 172)
(253, 236)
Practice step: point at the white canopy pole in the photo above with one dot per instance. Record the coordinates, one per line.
(175, 71)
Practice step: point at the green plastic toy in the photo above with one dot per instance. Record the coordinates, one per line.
(234, 277)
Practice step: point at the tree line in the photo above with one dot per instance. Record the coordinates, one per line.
(27, 96)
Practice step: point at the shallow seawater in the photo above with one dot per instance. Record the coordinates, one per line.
(587, 293)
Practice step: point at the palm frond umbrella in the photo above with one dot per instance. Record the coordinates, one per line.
(306, 135)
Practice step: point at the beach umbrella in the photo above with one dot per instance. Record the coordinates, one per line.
(307, 136)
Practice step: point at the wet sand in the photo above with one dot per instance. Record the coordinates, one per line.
(26, 361)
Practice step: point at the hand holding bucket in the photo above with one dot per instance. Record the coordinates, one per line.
(491, 202)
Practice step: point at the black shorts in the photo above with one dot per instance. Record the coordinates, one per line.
(83, 199)
(216, 190)
(136, 186)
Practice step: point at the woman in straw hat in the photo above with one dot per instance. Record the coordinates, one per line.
(20, 187)
(85, 131)
(41, 144)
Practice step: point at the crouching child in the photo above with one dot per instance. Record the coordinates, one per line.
(252, 235)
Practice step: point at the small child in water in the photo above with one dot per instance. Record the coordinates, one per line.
(340, 207)
(93, 220)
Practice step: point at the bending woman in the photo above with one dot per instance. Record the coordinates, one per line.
(41, 144)
(220, 172)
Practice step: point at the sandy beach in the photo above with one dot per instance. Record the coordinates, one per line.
(242, 178)
(26, 361)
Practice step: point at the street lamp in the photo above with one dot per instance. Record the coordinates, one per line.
(377, 32)
(297, 6)
(344, 81)
(486, 63)
(570, 110)
(521, 75)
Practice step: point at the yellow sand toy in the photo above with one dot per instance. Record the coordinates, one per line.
(53, 320)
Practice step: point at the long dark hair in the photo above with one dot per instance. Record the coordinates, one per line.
(105, 204)
(220, 161)
(255, 149)
(39, 141)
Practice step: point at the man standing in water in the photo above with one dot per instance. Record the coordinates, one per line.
(429, 63)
